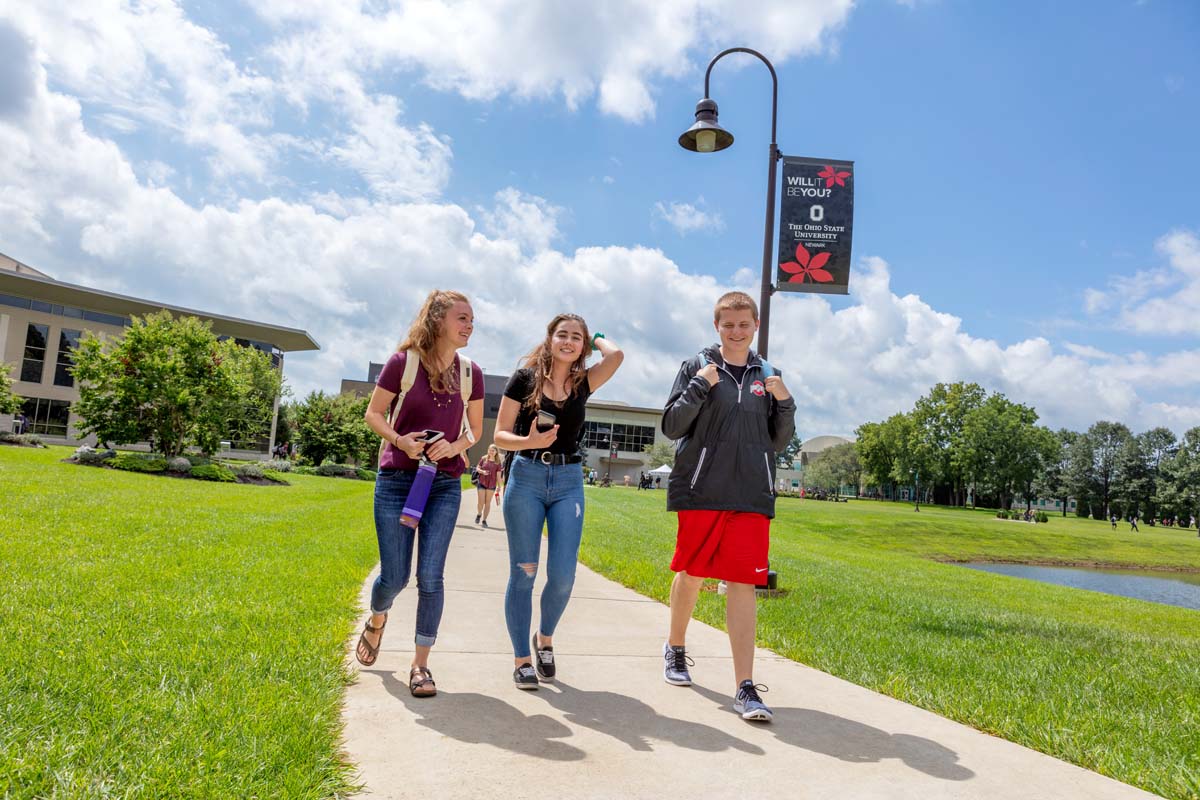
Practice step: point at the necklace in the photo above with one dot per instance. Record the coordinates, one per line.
(444, 400)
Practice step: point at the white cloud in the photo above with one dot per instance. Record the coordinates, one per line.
(614, 51)
(688, 218)
(1157, 301)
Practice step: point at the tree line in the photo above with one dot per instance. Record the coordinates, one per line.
(962, 445)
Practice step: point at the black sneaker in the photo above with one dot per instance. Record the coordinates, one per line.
(484, 523)
(544, 660)
(476, 519)
(524, 677)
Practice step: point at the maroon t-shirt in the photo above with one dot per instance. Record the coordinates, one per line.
(425, 410)
(487, 473)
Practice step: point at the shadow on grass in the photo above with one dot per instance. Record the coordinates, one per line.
(854, 742)
(635, 723)
(480, 719)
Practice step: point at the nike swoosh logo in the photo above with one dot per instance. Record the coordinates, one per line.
(764, 569)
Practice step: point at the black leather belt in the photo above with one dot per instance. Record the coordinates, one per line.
(550, 459)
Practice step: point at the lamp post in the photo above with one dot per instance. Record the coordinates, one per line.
(706, 136)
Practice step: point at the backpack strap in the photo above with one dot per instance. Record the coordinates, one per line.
(465, 384)
(407, 380)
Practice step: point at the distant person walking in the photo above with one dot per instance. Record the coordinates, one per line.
(425, 386)
(1133, 522)
(1114, 520)
(541, 421)
(488, 469)
(731, 413)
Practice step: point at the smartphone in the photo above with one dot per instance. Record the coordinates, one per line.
(545, 420)
(430, 437)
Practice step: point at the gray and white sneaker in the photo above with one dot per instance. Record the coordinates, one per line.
(747, 702)
(675, 665)
(543, 660)
(524, 677)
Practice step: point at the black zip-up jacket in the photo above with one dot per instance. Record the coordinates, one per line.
(726, 438)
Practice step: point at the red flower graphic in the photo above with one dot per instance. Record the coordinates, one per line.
(833, 176)
(806, 266)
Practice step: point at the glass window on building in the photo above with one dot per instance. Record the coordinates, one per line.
(47, 417)
(628, 438)
(67, 342)
(35, 353)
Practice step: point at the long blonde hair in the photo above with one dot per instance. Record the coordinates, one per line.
(493, 449)
(423, 335)
(541, 358)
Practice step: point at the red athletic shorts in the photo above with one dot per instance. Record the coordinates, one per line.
(730, 545)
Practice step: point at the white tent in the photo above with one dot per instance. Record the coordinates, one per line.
(663, 470)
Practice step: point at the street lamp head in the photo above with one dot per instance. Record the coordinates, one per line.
(706, 136)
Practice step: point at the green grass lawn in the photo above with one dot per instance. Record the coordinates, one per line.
(173, 638)
(1106, 682)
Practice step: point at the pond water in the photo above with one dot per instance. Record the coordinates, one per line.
(1172, 588)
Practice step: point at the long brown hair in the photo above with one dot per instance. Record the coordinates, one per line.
(541, 358)
(423, 335)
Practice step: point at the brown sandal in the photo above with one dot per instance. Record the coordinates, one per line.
(364, 645)
(420, 682)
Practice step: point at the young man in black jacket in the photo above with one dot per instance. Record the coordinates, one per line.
(729, 412)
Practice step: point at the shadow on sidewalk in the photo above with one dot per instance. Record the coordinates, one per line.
(480, 719)
(851, 741)
(636, 723)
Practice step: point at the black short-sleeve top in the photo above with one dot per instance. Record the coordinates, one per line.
(569, 414)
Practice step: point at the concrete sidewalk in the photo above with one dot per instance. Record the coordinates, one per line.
(610, 727)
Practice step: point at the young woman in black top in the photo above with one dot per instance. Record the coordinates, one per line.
(545, 481)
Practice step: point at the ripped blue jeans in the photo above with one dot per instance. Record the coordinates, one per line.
(538, 494)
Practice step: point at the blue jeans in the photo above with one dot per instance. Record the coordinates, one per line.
(396, 546)
(539, 494)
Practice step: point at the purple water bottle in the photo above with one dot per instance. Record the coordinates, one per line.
(418, 495)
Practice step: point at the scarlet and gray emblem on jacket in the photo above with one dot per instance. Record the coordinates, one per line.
(726, 437)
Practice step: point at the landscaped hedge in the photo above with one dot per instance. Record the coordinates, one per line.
(138, 462)
(213, 472)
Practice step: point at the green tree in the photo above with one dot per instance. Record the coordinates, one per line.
(786, 458)
(939, 416)
(1053, 482)
(332, 428)
(1003, 449)
(1108, 439)
(876, 447)
(1081, 474)
(916, 457)
(9, 402)
(169, 382)
(834, 468)
(249, 407)
(1178, 490)
(660, 453)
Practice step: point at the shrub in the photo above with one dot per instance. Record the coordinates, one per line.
(305, 469)
(1042, 516)
(275, 477)
(331, 470)
(1002, 514)
(245, 470)
(27, 439)
(91, 456)
(278, 465)
(179, 465)
(212, 472)
(139, 462)
(364, 474)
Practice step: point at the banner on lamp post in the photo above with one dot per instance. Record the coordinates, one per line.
(816, 224)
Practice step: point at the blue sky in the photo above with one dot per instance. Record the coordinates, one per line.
(1025, 207)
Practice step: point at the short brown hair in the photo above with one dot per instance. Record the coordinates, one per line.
(735, 301)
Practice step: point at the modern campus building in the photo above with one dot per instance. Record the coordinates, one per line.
(41, 321)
